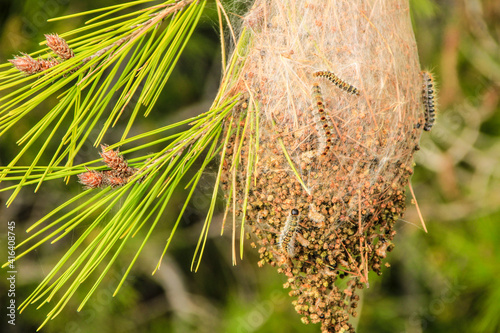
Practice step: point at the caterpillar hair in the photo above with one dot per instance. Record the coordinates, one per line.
(337, 81)
(315, 216)
(323, 124)
(428, 100)
(287, 236)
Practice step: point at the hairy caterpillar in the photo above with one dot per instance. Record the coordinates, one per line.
(323, 123)
(337, 81)
(428, 100)
(287, 236)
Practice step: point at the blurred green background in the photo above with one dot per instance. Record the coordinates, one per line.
(443, 281)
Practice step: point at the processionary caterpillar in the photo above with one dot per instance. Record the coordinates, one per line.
(428, 100)
(337, 81)
(287, 236)
(323, 124)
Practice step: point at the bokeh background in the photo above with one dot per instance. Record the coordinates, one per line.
(445, 280)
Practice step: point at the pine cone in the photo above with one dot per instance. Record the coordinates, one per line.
(114, 160)
(113, 179)
(59, 46)
(91, 179)
(31, 66)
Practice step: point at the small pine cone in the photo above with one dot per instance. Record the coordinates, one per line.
(91, 179)
(25, 64)
(46, 64)
(114, 160)
(111, 178)
(31, 66)
(59, 46)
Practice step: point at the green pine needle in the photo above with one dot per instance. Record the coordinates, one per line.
(118, 59)
(135, 43)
